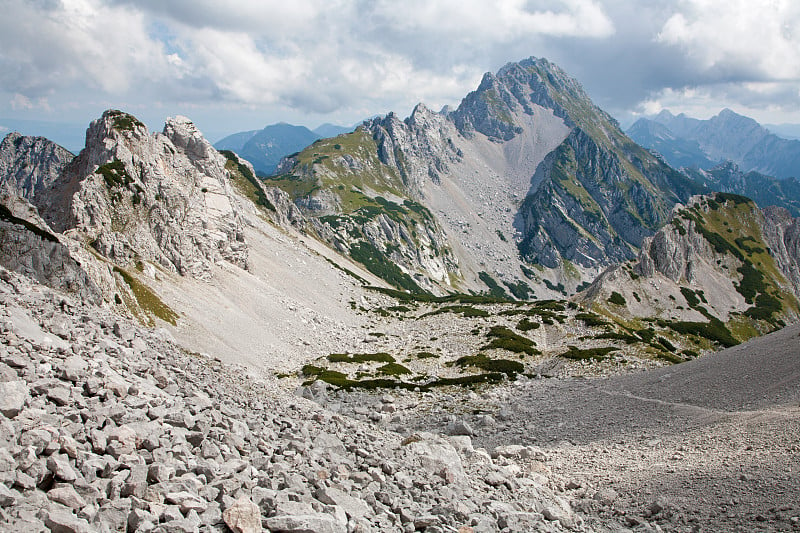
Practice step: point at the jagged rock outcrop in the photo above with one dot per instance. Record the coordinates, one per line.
(358, 192)
(134, 196)
(782, 236)
(30, 164)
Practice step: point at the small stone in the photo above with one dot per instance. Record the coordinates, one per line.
(7, 497)
(73, 368)
(317, 522)
(59, 395)
(460, 427)
(66, 495)
(59, 466)
(63, 521)
(243, 516)
(13, 395)
(187, 501)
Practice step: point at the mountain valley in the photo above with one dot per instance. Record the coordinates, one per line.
(464, 320)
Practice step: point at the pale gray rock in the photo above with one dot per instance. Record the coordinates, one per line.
(13, 396)
(63, 521)
(60, 467)
(30, 247)
(7, 496)
(311, 523)
(243, 516)
(66, 495)
(30, 164)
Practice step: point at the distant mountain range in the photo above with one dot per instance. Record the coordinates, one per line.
(728, 136)
(265, 148)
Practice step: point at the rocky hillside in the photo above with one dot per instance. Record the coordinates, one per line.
(722, 268)
(727, 136)
(527, 167)
(110, 427)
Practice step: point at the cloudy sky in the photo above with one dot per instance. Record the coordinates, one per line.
(233, 66)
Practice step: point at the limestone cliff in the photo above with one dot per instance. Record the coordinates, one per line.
(136, 196)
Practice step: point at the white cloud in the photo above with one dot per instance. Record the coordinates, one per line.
(757, 36)
(352, 58)
(501, 20)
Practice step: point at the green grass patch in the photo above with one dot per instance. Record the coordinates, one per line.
(713, 330)
(597, 354)
(591, 319)
(502, 338)
(147, 300)
(393, 369)
(380, 357)
(245, 181)
(527, 325)
(484, 362)
(426, 297)
(613, 335)
(464, 310)
(616, 298)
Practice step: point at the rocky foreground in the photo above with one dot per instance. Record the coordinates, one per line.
(110, 427)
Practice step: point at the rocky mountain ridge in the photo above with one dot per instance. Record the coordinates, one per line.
(726, 136)
(136, 197)
(721, 260)
(495, 168)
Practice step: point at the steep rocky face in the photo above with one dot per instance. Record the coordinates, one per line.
(30, 247)
(30, 164)
(596, 196)
(355, 189)
(135, 197)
